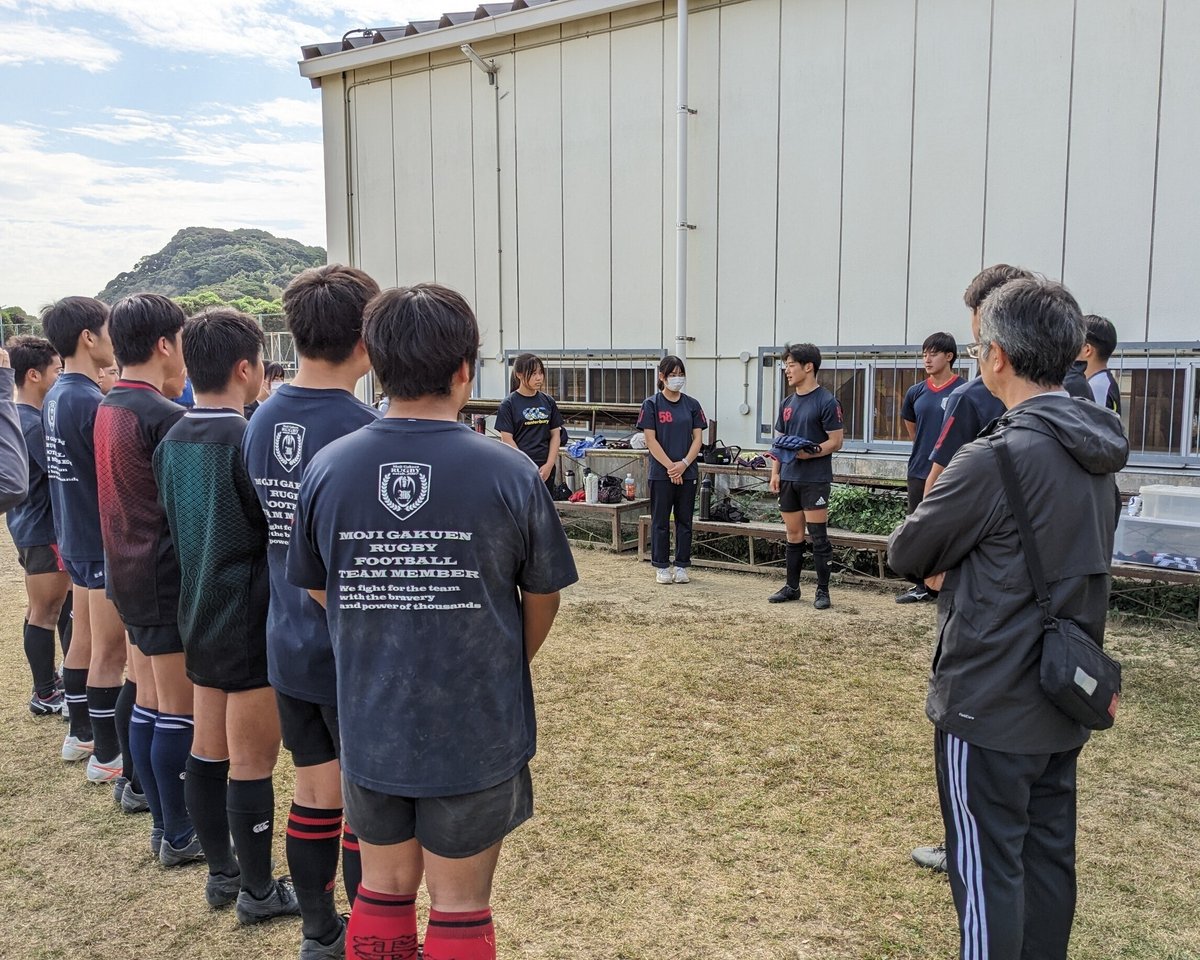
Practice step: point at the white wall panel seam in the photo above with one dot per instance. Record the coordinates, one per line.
(987, 133)
(433, 181)
(1162, 51)
(778, 163)
(912, 140)
(837, 335)
(1062, 270)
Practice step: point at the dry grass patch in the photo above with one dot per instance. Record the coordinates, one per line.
(717, 778)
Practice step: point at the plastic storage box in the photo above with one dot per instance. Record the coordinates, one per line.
(1162, 502)
(1157, 542)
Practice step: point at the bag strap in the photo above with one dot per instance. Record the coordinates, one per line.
(1016, 502)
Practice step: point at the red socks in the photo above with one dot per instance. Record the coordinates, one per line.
(385, 925)
(459, 936)
(382, 925)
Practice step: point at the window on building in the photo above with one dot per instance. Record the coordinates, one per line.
(1152, 403)
(608, 377)
(849, 385)
(893, 379)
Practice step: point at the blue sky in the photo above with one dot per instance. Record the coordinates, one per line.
(123, 121)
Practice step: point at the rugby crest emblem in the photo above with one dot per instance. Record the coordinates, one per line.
(289, 445)
(51, 413)
(404, 487)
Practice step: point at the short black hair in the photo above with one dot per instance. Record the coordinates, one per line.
(27, 353)
(1101, 334)
(273, 370)
(323, 308)
(215, 341)
(941, 343)
(1039, 325)
(64, 321)
(417, 337)
(139, 321)
(803, 353)
(667, 366)
(988, 279)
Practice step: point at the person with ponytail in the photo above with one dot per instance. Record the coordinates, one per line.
(529, 419)
(674, 425)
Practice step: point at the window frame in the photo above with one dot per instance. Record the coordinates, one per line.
(1182, 356)
(587, 361)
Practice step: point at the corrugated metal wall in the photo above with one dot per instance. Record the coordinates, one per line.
(853, 164)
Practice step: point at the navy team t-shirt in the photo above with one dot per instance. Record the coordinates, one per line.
(971, 407)
(672, 424)
(31, 522)
(925, 405)
(68, 418)
(287, 431)
(422, 532)
(530, 421)
(814, 416)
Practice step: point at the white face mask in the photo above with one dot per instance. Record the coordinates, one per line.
(676, 383)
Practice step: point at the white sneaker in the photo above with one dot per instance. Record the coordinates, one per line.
(681, 575)
(98, 772)
(663, 575)
(74, 749)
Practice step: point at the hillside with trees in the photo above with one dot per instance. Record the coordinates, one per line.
(202, 266)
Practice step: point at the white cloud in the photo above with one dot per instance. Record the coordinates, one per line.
(274, 29)
(72, 222)
(41, 43)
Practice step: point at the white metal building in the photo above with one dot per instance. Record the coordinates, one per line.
(852, 164)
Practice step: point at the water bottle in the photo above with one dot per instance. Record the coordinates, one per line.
(571, 480)
(592, 488)
(706, 490)
(630, 487)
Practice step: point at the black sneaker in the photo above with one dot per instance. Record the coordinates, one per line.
(221, 891)
(279, 902)
(915, 595)
(784, 594)
(821, 602)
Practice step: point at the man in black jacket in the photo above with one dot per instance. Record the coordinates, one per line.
(1005, 755)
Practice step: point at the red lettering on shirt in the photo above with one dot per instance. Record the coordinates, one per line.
(664, 416)
(787, 414)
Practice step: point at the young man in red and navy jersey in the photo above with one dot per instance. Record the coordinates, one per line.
(803, 478)
(94, 667)
(143, 572)
(323, 309)
(439, 557)
(35, 367)
(922, 412)
(220, 538)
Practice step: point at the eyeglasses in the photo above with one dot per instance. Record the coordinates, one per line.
(976, 350)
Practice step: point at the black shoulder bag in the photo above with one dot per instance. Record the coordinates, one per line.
(1078, 677)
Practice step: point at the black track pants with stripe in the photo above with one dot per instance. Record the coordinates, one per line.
(1010, 848)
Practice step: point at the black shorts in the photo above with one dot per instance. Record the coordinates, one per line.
(310, 730)
(41, 559)
(156, 641)
(229, 664)
(452, 827)
(795, 496)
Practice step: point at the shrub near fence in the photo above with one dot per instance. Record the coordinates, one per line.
(853, 508)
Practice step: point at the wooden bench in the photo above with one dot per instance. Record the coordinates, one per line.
(766, 531)
(1138, 571)
(613, 513)
(866, 541)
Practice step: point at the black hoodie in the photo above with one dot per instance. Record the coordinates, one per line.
(983, 686)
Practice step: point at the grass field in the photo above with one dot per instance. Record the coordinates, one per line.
(716, 779)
